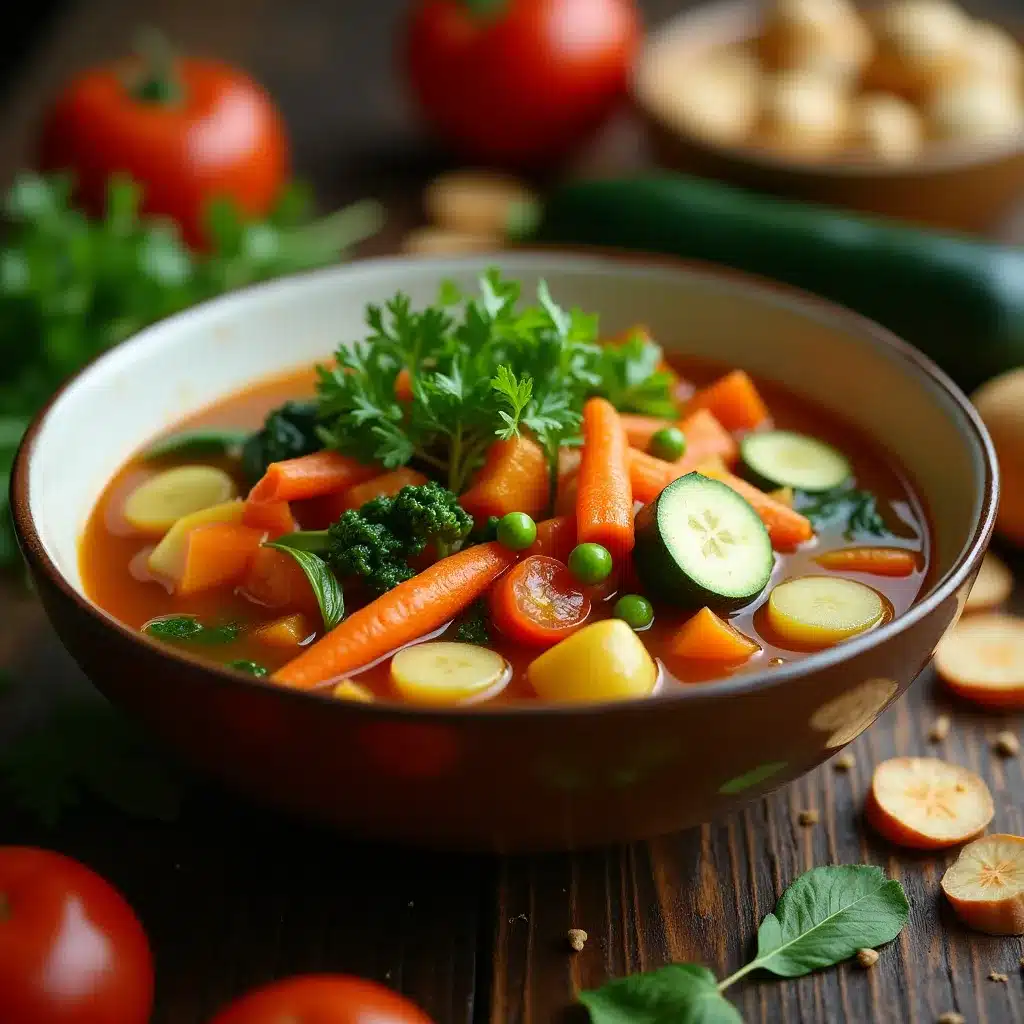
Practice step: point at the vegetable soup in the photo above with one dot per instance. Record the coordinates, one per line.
(482, 502)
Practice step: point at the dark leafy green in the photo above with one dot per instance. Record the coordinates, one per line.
(252, 668)
(474, 628)
(188, 629)
(857, 509)
(198, 442)
(287, 433)
(325, 585)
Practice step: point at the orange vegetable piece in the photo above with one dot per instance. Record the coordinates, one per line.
(706, 637)
(992, 586)
(319, 513)
(786, 527)
(604, 497)
(216, 554)
(384, 486)
(707, 437)
(403, 385)
(414, 608)
(311, 476)
(274, 580)
(982, 659)
(926, 804)
(985, 885)
(514, 478)
(274, 518)
(873, 560)
(288, 631)
(555, 538)
(734, 400)
(640, 429)
(539, 602)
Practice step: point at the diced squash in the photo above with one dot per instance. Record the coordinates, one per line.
(216, 554)
(168, 557)
(288, 631)
(706, 637)
(734, 401)
(447, 673)
(603, 661)
(159, 502)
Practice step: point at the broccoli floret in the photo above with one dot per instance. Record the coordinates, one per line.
(473, 629)
(376, 541)
(287, 433)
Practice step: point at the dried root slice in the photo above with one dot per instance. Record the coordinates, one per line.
(992, 587)
(982, 660)
(926, 804)
(985, 886)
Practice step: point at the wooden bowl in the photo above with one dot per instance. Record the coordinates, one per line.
(522, 777)
(961, 186)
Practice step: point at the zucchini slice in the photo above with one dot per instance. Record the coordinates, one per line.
(781, 458)
(699, 543)
(819, 611)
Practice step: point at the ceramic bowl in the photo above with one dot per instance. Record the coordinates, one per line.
(961, 186)
(529, 777)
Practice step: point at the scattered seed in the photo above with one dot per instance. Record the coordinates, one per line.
(867, 957)
(939, 730)
(951, 1017)
(844, 762)
(996, 976)
(808, 817)
(1006, 744)
(577, 939)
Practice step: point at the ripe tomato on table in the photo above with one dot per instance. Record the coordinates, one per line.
(187, 130)
(323, 999)
(71, 949)
(519, 82)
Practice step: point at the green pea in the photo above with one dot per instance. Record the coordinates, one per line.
(590, 563)
(516, 531)
(669, 444)
(634, 610)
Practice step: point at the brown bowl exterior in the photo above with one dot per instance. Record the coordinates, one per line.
(970, 189)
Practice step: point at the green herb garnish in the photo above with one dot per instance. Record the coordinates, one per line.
(823, 918)
(473, 629)
(632, 380)
(328, 590)
(188, 629)
(251, 668)
(198, 442)
(858, 509)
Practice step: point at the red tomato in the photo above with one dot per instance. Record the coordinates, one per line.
(539, 602)
(519, 81)
(71, 949)
(323, 999)
(221, 137)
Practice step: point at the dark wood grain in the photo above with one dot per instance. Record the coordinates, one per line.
(234, 896)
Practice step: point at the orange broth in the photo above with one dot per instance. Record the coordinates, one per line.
(113, 558)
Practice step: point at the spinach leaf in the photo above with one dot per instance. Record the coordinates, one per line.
(677, 994)
(325, 585)
(251, 668)
(188, 629)
(198, 442)
(857, 509)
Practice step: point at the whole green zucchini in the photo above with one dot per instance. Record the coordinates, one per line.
(959, 300)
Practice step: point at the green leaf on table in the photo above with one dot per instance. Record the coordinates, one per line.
(826, 915)
(198, 442)
(677, 994)
(329, 595)
(87, 749)
(188, 629)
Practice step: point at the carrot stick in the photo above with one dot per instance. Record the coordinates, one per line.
(734, 401)
(274, 580)
(215, 554)
(274, 518)
(310, 476)
(514, 478)
(786, 527)
(640, 429)
(877, 561)
(604, 500)
(706, 637)
(555, 538)
(387, 485)
(410, 611)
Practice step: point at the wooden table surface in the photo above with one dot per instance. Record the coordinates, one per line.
(233, 896)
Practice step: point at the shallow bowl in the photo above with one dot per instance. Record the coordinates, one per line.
(514, 778)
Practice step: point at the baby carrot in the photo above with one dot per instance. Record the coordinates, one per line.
(413, 609)
(604, 500)
(310, 476)
(877, 561)
(385, 486)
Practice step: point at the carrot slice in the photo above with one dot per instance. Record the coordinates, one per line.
(982, 659)
(706, 637)
(876, 561)
(926, 804)
(604, 499)
(985, 885)
(514, 478)
(274, 518)
(992, 586)
(705, 437)
(640, 429)
(310, 476)
(786, 527)
(414, 608)
(734, 400)
(385, 486)
(403, 385)
(555, 538)
(274, 580)
(539, 602)
(288, 631)
(216, 554)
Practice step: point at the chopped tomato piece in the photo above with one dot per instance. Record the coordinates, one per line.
(539, 602)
